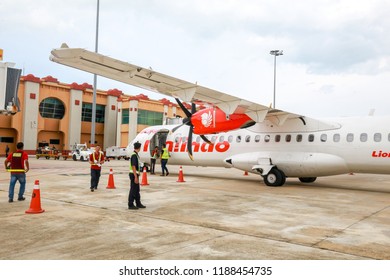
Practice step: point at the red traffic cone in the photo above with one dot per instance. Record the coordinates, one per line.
(246, 173)
(111, 184)
(181, 177)
(35, 205)
(144, 181)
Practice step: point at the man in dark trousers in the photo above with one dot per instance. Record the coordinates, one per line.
(17, 164)
(134, 179)
(96, 159)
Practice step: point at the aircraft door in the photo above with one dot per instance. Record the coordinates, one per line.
(158, 140)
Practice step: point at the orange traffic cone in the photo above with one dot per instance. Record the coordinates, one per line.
(111, 184)
(35, 205)
(246, 173)
(181, 177)
(144, 181)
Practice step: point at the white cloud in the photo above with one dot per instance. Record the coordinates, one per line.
(336, 53)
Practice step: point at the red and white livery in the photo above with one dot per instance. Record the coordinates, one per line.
(234, 132)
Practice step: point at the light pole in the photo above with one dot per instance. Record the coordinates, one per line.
(275, 53)
(93, 120)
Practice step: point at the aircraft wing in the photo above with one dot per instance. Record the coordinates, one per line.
(149, 79)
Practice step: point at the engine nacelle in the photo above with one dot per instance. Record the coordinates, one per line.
(214, 120)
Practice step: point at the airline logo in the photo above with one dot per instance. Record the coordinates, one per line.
(377, 154)
(172, 146)
(207, 119)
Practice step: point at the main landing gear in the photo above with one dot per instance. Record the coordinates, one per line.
(307, 179)
(275, 178)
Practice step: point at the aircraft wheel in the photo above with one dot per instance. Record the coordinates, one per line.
(307, 179)
(275, 178)
(74, 157)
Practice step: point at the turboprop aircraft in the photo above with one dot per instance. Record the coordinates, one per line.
(234, 132)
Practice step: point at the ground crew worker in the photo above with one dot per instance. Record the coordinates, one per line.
(164, 160)
(17, 164)
(96, 159)
(153, 160)
(135, 168)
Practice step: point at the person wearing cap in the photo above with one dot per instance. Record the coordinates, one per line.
(135, 171)
(17, 164)
(96, 159)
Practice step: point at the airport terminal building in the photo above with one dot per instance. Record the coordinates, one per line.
(59, 115)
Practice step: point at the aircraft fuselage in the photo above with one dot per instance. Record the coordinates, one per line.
(299, 148)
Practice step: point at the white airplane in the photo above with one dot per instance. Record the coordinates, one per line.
(234, 132)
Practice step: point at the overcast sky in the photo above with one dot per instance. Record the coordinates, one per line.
(336, 58)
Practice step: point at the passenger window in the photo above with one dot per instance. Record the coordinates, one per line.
(350, 137)
(247, 138)
(213, 139)
(377, 137)
(230, 138)
(277, 138)
(311, 137)
(299, 138)
(198, 139)
(336, 137)
(177, 139)
(238, 139)
(288, 138)
(184, 139)
(222, 139)
(267, 138)
(257, 138)
(324, 137)
(363, 137)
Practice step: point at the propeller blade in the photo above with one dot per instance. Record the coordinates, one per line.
(189, 143)
(185, 110)
(205, 139)
(177, 127)
(193, 108)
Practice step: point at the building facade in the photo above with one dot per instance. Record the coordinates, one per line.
(59, 115)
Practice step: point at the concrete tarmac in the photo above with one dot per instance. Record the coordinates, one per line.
(216, 213)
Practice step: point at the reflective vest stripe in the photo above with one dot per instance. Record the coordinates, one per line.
(131, 166)
(100, 157)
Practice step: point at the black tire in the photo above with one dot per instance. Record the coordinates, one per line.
(81, 158)
(74, 157)
(307, 179)
(275, 178)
